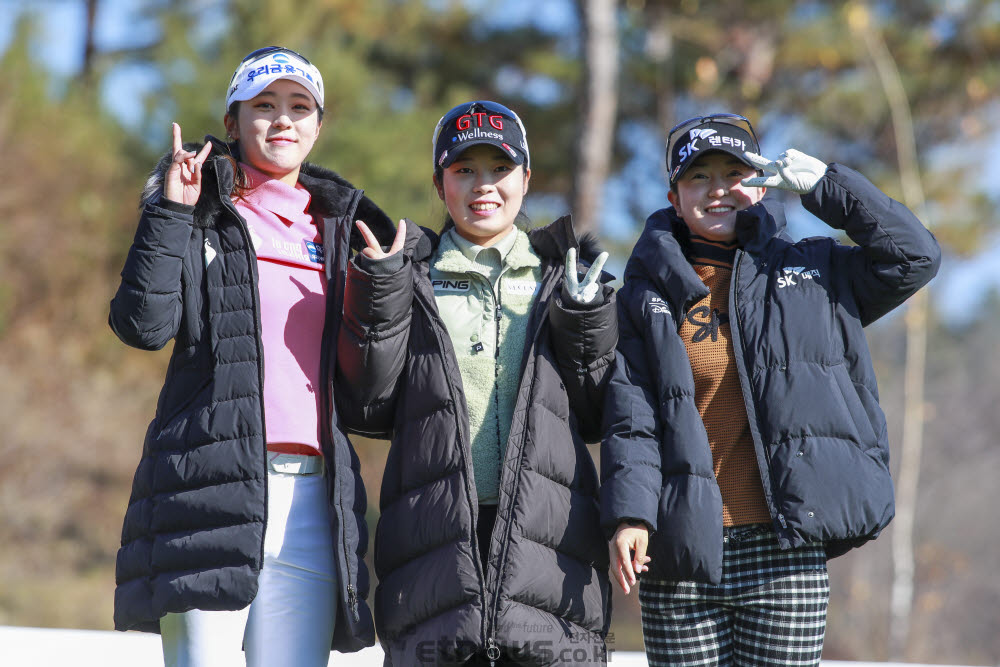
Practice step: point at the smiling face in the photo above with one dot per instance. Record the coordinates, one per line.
(277, 129)
(709, 194)
(483, 190)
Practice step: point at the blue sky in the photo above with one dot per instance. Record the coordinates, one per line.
(59, 45)
(962, 285)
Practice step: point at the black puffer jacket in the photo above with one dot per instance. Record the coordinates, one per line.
(545, 597)
(193, 535)
(797, 312)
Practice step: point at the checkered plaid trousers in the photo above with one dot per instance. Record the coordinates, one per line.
(769, 609)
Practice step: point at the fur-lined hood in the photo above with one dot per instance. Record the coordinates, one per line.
(330, 192)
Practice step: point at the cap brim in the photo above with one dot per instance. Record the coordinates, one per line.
(453, 152)
(259, 84)
(735, 152)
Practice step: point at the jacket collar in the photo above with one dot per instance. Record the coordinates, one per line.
(554, 239)
(758, 224)
(660, 254)
(450, 257)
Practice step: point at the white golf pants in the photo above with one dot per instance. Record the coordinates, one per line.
(291, 620)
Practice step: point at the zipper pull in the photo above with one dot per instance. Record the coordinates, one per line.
(781, 520)
(352, 602)
(499, 313)
(492, 651)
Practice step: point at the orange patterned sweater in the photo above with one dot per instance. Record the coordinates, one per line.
(709, 344)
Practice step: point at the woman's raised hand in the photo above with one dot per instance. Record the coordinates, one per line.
(183, 180)
(793, 170)
(583, 292)
(374, 250)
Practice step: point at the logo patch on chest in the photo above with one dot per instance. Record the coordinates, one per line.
(451, 285)
(793, 275)
(210, 253)
(521, 287)
(315, 252)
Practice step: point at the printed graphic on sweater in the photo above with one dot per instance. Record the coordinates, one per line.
(708, 322)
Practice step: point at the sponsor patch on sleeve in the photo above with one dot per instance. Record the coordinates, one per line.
(658, 306)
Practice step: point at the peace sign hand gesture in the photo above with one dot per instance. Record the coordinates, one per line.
(793, 170)
(183, 181)
(583, 293)
(374, 250)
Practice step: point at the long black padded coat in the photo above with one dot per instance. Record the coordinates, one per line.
(193, 534)
(797, 315)
(545, 597)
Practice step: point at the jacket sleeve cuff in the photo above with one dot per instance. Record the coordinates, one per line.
(590, 331)
(376, 300)
(173, 206)
(639, 509)
(380, 267)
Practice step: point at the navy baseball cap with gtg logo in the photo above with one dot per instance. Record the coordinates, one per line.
(480, 122)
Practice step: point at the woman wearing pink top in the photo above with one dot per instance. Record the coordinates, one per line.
(246, 522)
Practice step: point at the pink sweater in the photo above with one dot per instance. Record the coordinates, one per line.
(292, 290)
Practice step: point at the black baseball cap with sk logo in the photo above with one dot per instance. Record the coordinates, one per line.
(728, 133)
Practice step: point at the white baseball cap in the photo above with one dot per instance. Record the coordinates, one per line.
(263, 67)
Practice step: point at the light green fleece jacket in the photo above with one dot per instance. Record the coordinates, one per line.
(471, 285)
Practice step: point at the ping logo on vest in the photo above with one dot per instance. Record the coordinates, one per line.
(522, 287)
(793, 275)
(450, 285)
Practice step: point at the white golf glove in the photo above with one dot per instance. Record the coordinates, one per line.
(793, 170)
(583, 292)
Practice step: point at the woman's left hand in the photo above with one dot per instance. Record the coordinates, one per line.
(793, 170)
(374, 250)
(630, 538)
(583, 292)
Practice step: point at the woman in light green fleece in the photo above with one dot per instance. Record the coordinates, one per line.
(484, 355)
(485, 271)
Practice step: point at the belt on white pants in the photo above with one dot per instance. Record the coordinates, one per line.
(295, 464)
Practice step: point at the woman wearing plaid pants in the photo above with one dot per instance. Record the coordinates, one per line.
(769, 609)
(744, 444)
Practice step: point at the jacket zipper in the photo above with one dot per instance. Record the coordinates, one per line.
(492, 649)
(464, 445)
(751, 407)
(352, 595)
(497, 318)
(255, 276)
